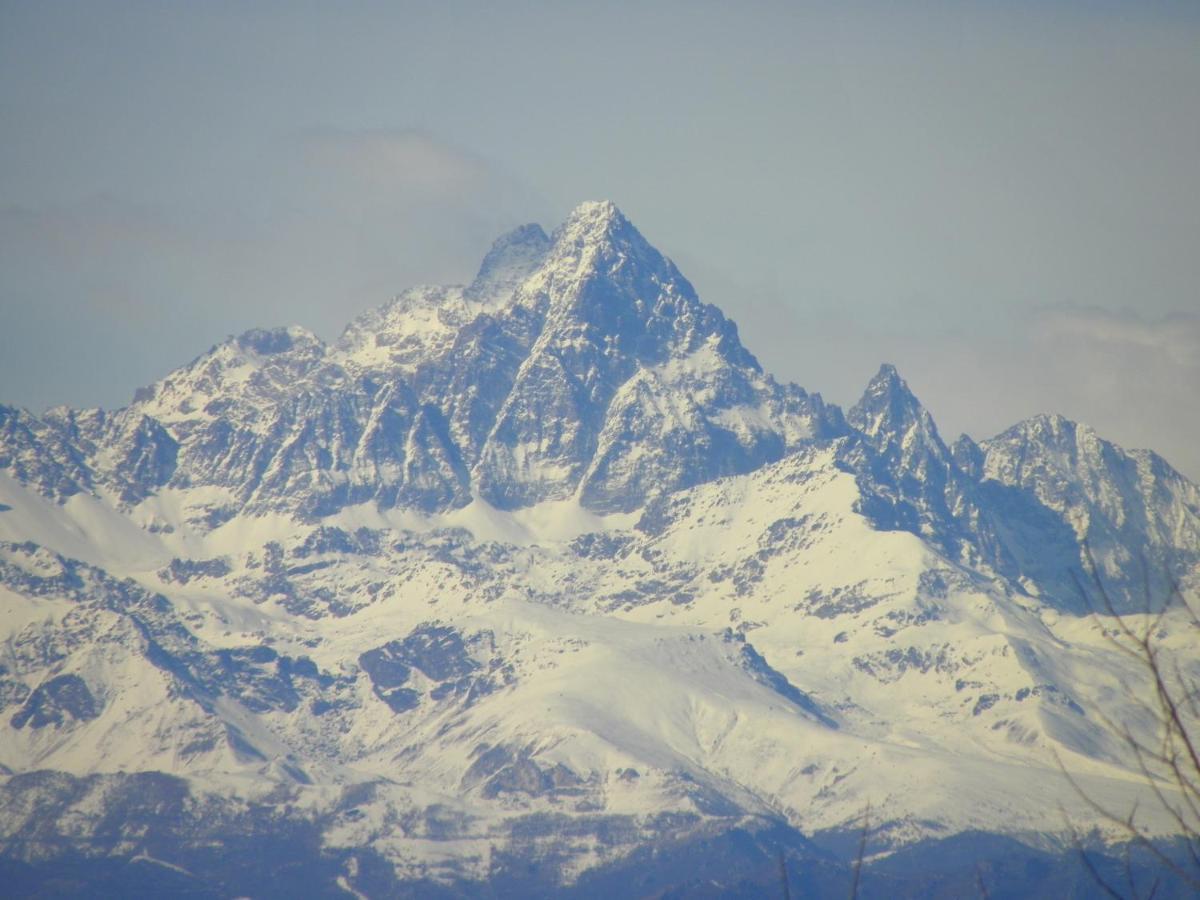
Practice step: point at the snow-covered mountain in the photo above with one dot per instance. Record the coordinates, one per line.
(519, 581)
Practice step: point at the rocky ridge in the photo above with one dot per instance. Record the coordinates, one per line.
(547, 568)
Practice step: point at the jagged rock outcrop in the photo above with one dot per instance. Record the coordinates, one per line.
(544, 575)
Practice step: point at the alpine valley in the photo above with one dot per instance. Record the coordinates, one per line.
(542, 586)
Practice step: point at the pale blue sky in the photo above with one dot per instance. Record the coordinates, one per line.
(1001, 198)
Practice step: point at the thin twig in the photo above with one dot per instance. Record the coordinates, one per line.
(1077, 843)
(862, 851)
(1173, 709)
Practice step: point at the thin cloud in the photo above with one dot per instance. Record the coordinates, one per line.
(94, 227)
(325, 224)
(399, 162)
(1134, 378)
(1176, 336)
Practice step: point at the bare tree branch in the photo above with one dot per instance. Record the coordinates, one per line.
(1168, 758)
(862, 851)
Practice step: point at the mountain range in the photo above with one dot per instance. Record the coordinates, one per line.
(541, 585)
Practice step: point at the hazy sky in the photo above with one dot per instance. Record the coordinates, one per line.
(1001, 198)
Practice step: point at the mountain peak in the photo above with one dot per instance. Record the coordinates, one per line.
(512, 258)
(887, 373)
(596, 211)
(895, 423)
(595, 221)
(1052, 423)
(1050, 429)
(886, 380)
(887, 405)
(576, 487)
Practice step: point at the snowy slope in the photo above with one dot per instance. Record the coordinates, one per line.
(552, 548)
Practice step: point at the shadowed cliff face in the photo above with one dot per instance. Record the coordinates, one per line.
(583, 363)
(523, 580)
(583, 366)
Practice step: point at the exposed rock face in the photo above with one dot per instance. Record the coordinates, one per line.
(518, 581)
(581, 364)
(1134, 519)
(1047, 503)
